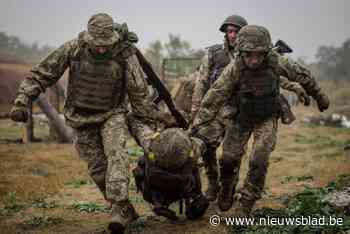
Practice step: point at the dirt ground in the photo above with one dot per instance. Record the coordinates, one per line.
(44, 187)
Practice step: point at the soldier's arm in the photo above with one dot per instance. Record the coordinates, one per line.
(219, 94)
(45, 74)
(137, 90)
(294, 71)
(201, 86)
(296, 88)
(289, 85)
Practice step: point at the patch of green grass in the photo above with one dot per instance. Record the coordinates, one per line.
(138, 226)
(135, 151)
(10, 130)
(311, 125)
(296, 178)
(330, 154)
(41, 221)
(308, 203)
(90, 207)
(336, 129)
(77, 183)
(42, 203)
(11, 205)
(319, 141)
(340, 182)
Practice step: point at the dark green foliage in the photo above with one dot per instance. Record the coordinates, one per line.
(308, 203)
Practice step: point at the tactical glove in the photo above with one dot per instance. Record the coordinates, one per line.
(19, 113)
(322, 101)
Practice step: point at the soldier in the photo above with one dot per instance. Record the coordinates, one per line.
(254, 78)
(212, 66)
(103, 70)
(213, 63)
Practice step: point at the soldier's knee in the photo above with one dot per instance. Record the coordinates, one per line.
(265, 147)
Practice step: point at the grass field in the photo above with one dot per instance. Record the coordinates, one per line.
(44, 187)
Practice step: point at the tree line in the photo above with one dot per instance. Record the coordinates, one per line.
(334, 62)
(13, 49)
(331, 62)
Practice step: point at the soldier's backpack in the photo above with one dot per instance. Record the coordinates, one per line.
(162, 188)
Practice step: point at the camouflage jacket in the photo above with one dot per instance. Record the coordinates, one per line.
(203, 83)
(50, 70)
(224, 89)
(292, 70)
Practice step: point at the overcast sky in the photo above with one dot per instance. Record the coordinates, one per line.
(305, 25)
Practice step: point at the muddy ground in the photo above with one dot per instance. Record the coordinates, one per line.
(44, 187)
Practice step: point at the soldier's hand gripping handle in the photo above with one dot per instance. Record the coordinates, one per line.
(19, 113)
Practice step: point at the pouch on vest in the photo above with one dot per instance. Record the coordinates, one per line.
(258, 95)
(96, 87)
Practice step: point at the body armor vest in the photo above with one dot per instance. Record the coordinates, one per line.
(96, 86)
(258, 94)
(218, 60)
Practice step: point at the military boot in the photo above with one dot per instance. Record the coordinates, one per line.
(123, 213)
(242, 206)
(229, 174)
(225, 199)
(245, 199)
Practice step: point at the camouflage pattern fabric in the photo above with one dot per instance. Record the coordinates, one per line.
(101, 31)
(253, 38)
(215, 130)
(297, 73)
(52, 67)
(235, 145)
(103, 148)
(236, 137)
(288, 68)
(100, 136)
(224, 88)
(171, 148)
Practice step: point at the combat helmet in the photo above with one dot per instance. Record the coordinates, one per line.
(235, 20)
(254, 38)
(171, 148)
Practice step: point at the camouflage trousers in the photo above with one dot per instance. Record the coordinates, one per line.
(103, 147)
(213, 134)
(234, 147)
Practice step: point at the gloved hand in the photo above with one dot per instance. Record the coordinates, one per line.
(19, 113)
(322, 101)
(302, 96)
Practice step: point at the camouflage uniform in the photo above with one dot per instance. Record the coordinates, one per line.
(218, 56)
(99, 91)
(212, 65)
(241, 128)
